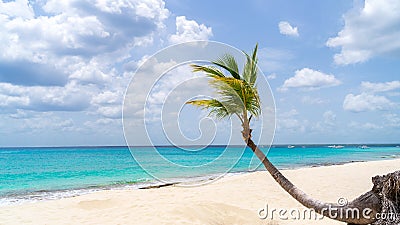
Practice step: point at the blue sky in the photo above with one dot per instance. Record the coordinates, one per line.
(333, 66)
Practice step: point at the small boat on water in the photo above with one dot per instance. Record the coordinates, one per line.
(335, 146)
(364, 147)
(291, 146)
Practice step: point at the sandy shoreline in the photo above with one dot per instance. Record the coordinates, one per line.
(230, 200)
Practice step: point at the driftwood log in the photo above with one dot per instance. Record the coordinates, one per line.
(383, 200)
(387, 190)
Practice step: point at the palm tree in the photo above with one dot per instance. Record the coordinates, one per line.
(238, 96)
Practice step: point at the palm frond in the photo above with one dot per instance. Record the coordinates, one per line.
(250, 67)
(228, 62)
(217, 109)
(209, 70)
(253, 104)
(236, 95)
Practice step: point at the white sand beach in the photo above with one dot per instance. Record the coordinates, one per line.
(230, 200)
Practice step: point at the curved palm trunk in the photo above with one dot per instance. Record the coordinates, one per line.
(334, 211)
(383, 196)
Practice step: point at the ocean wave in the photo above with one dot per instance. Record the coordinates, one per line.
(390, 156)
(44, 195)
(17, 199)
(9, 152)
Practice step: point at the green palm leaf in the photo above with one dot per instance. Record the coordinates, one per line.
(228, 62)
(217, 108)
(209, 70)
(250, 68)
(237, 95)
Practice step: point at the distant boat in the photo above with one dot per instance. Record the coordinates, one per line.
(336, 146)
(291, 146)
(364, 147)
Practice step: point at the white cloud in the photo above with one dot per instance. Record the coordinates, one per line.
(289, 122)
(369, 31)
(102, 124)
(110, 111)
(329, 118)
(71, 97)
(189, 30)
(365, 126)
(392, 120)
(66, 55)
(286, 29)
(18, 8)
(366, 102)
(327, 124)
(312, 100)
(74, 33)
(108, 103)
(41, 122)
(291, 125)
(310, 79)
(371, 126)
(272, 76)
(171, 90)
(106, 97)
(13, 101)
(92, 73)
(380, 87)
(291, 113)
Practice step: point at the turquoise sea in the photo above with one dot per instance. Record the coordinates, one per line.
(33, 174)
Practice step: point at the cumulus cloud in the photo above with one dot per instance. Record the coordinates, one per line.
(65, 55)
(38, 98)
(79, 28)
(380, 87)
(310, 79)
(18, 8)
(92, 73)
(368, 31)
(110, 111)
(286, 29)
(366, 102)
(189, 30)
(78, 56)
(106, 97)
(72, 32)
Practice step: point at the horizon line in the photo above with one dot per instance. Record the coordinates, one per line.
(216, 145)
